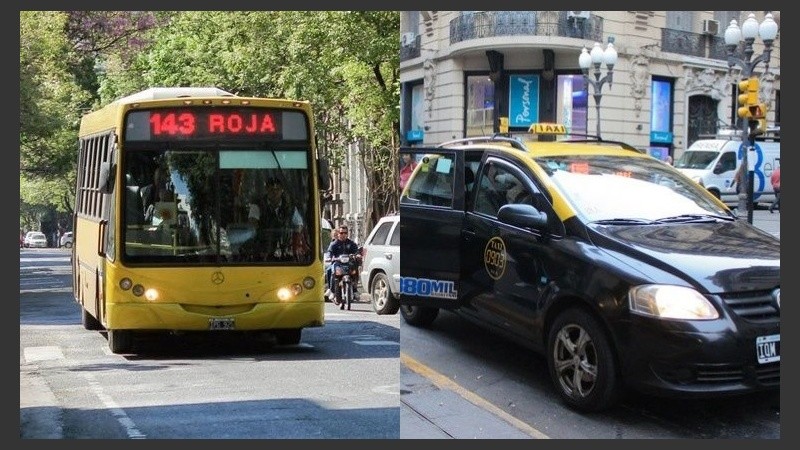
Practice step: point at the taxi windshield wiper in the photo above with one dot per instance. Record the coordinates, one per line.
(693, 218)
(623, 221)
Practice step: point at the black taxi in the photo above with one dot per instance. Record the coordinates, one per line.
(620, 270)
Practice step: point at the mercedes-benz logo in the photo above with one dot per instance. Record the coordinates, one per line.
(217, 278)
(776, 295)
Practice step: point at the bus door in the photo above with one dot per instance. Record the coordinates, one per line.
(431, 218)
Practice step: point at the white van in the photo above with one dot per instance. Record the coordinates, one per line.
(713, 163)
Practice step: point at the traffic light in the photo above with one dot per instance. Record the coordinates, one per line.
(758, 127)
(748, 97)
(758, 111)
(503, 125)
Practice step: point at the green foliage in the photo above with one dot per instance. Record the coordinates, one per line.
(345, 62)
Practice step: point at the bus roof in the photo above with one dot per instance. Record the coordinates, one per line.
(157, 93)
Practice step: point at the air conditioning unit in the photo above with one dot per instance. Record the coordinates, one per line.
(407, 39)
(578, 14)
(711, 27)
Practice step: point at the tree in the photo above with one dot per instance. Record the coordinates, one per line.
(345, 62)
(58, 83)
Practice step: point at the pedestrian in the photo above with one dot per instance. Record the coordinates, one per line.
(738, 185)
(405, 171)
(775, 179)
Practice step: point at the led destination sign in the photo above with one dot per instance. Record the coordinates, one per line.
(189, 124)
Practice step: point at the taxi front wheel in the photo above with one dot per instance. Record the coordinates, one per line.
(581, 362)
(419, 316)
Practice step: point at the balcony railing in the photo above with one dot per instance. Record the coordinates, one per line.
(694, 44)
(411, 51)
(475, 25)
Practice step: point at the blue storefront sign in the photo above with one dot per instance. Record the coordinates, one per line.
(661, 137)
(415, 135)
(523, 100)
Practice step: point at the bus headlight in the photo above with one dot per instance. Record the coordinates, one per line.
(151, 294)
(284, 294)
(287, 293)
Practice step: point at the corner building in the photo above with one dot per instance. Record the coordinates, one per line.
(461, 71)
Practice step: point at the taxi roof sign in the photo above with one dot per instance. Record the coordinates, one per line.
(547, 128)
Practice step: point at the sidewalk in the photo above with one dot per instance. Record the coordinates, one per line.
(769, 222)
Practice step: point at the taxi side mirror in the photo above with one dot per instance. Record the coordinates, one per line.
(523, 216)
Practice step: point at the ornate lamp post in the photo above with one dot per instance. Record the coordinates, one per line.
(768, 30)
(596, 58)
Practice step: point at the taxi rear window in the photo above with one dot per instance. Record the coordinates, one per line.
(432, 182)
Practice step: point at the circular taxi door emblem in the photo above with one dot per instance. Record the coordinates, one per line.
(494, 257)
(217, 278)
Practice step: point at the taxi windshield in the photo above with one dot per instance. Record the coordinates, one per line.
(617, 188)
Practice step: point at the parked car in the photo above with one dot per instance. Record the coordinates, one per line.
(35, 239)
(615, 266)
(66, 240)
(380, 270)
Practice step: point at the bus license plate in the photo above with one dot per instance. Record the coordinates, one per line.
(768, 348)
(224, 323)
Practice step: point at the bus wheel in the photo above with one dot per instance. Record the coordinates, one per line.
(89, 322)
(120, 341)
(288, 337)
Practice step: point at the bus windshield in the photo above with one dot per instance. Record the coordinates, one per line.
(242, 205)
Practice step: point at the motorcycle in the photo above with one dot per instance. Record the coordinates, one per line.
(345, 275)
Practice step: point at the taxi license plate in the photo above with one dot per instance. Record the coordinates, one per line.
(768, 348)
(224, 323)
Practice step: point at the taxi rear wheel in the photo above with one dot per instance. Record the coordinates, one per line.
(419, 316)
(581, 362)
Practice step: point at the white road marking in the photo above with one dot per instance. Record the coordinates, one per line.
(376, 343)
(48, 353)
(122, 417)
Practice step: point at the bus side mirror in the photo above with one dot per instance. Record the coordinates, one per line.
(107, 171)
(324, 174)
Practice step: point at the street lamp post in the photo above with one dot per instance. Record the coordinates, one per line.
(596, 58)
(768, 30)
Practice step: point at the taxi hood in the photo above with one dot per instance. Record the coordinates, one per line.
(721, 256)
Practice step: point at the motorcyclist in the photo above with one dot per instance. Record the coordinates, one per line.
(342, 245)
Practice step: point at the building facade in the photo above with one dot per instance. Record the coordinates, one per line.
(462, 71)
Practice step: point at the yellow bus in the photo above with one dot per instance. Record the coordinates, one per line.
(198, 210)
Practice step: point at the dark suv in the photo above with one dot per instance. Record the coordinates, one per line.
(615, 266)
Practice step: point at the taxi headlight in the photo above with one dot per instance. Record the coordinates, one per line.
(670, 302)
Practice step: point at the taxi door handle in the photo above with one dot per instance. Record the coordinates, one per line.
(468, 234)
